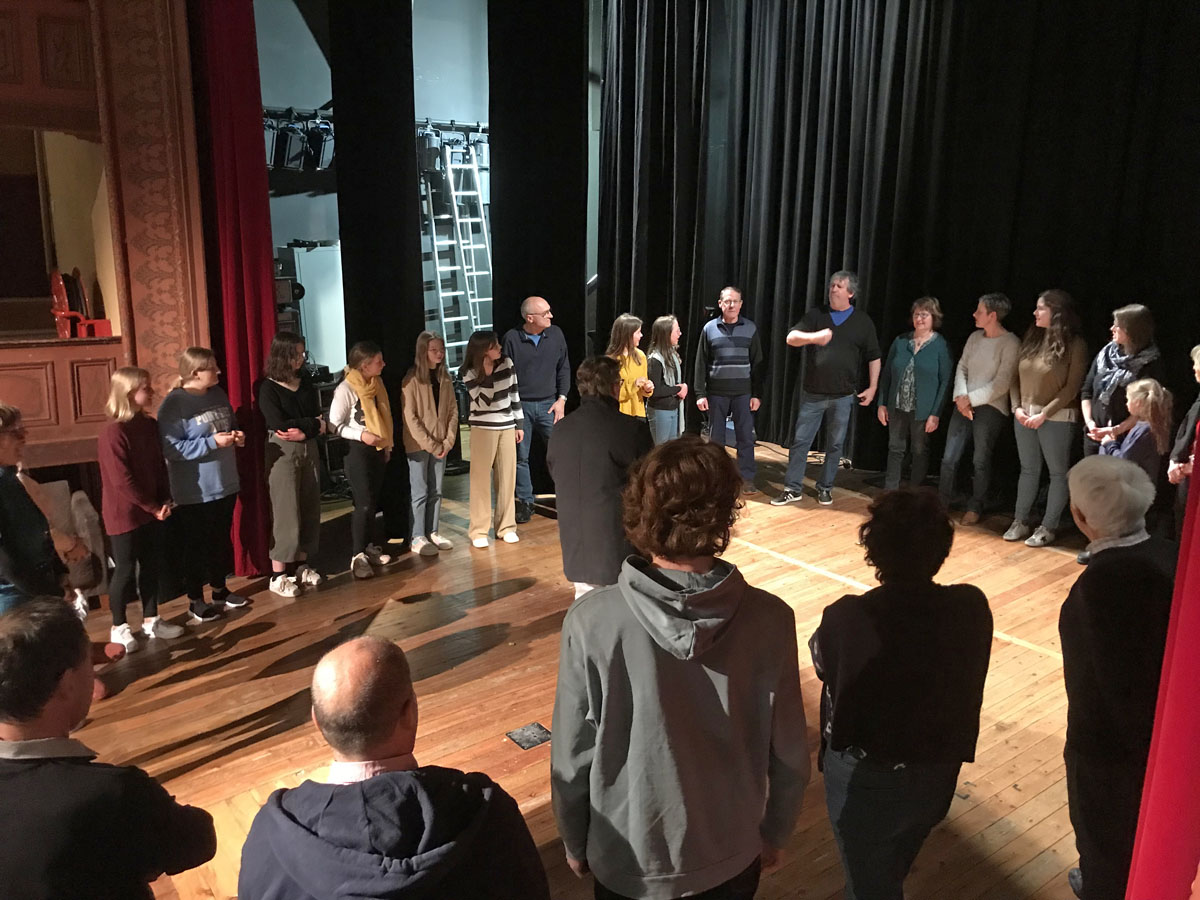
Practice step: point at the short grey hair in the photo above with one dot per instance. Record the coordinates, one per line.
(1113, 494)
(851, 279)
(527, 305)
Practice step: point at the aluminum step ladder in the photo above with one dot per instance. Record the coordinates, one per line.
(472, 231)
(451, 316)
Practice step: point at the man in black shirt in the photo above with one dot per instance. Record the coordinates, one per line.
(70, 827)
(842, 340)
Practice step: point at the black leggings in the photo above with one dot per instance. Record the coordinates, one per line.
(138, 551)
(206, 547)
(365, 467)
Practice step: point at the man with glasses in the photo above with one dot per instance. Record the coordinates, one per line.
(538, 350)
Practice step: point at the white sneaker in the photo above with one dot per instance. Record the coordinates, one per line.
(307, 576)
(1041, 537)
(284, 586)
(439, 541)
(360, 566)
(424, 546)
(510, 537)
(123, 635)
(479, 542)
(158, 627)
(1017, 531)
(376, 555)
(81, 605)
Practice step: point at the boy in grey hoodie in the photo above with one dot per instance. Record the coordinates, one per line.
(679, 757)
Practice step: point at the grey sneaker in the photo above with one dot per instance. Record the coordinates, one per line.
(1017, 531)
(787, 497)
(1041, 537)
(825, 496)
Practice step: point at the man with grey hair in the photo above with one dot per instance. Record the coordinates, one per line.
(1113, 627)
(538, 350)
(382, 825)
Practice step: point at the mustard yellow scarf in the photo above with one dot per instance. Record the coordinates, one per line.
(377, 411)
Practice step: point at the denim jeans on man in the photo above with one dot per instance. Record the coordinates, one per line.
(984, 429)
(425, 473)
(881, 814)
(719, 410)
(814, 409)
(664, 424)
(537, 418)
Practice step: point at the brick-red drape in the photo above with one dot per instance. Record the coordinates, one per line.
(1167, 852)
(238, 219)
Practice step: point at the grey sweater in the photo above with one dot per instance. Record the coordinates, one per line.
(679, 737)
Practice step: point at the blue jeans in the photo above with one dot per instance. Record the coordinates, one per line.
(881, 815)
(1049, 445)
(537, 418)
(983, 430)
(814, 410)
(425, 484)
(664, 424)
(719, 410)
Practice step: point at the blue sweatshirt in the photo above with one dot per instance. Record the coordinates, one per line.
(199, 470)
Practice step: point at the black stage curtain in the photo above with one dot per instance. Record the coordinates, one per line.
(936, 147)
(378, 203)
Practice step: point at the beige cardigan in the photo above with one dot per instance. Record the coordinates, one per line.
(426, 427)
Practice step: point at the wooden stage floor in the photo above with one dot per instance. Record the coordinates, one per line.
(222, 716)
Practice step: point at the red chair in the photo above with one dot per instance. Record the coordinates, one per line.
(67, 322)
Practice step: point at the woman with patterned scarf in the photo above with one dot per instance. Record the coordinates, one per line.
(361, 413)
(1129, 356)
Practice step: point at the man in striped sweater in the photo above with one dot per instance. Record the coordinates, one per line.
(729, 376)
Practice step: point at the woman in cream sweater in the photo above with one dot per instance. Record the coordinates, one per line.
(430, 414)
(1045, 402)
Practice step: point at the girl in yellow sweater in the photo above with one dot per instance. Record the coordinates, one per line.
(635, 382)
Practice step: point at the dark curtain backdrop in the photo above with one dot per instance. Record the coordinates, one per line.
(378, 204)
(936, 147)
(237, 221)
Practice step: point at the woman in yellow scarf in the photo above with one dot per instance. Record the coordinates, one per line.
(362, 414)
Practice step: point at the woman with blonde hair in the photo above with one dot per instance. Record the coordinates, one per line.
(199, 437)
(1045, 403)
(664, 408)
(292, 412)
(635, 381)
(430, 416)
(362, 414)
(136, 501)
(497, 422)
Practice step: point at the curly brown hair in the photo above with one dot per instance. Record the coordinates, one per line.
(682, 500)
(907, 535)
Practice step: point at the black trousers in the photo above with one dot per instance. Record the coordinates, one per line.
(138, 557)
(206, 547)
(365, 468)
(1103, 798)
(740, 887)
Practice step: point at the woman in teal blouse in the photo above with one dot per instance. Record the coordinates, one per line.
(913, 387)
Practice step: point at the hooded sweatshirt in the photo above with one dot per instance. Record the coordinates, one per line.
(679, 738)
(424, 833)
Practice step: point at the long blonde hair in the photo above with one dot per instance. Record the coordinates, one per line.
(125, 382)
(1155, 404)
(421, 362)
(193, 360)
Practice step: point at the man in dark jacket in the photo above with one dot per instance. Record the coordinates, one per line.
(384, 826)
(590, 452)
(70, 827)
(1113, 628)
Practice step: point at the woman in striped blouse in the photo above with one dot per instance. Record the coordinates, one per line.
(496, 429)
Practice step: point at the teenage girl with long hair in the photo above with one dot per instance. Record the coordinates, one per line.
(430, 430)
(292, 411)
(362, 414)
(496, 428)
(664, 407)
(199, 437)
(1045, 400)
(635, 381)
(136, 502)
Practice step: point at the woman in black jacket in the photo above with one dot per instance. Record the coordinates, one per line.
(1129, 356)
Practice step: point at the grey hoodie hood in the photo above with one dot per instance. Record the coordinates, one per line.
(684, 612)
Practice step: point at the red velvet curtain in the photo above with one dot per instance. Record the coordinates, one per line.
(238, 219)
(1167, 851)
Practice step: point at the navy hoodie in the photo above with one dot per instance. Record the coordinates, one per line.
(428, 832)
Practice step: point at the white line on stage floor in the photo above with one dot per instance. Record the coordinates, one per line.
(858, 585)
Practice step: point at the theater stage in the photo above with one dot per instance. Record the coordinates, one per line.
(221, 716)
